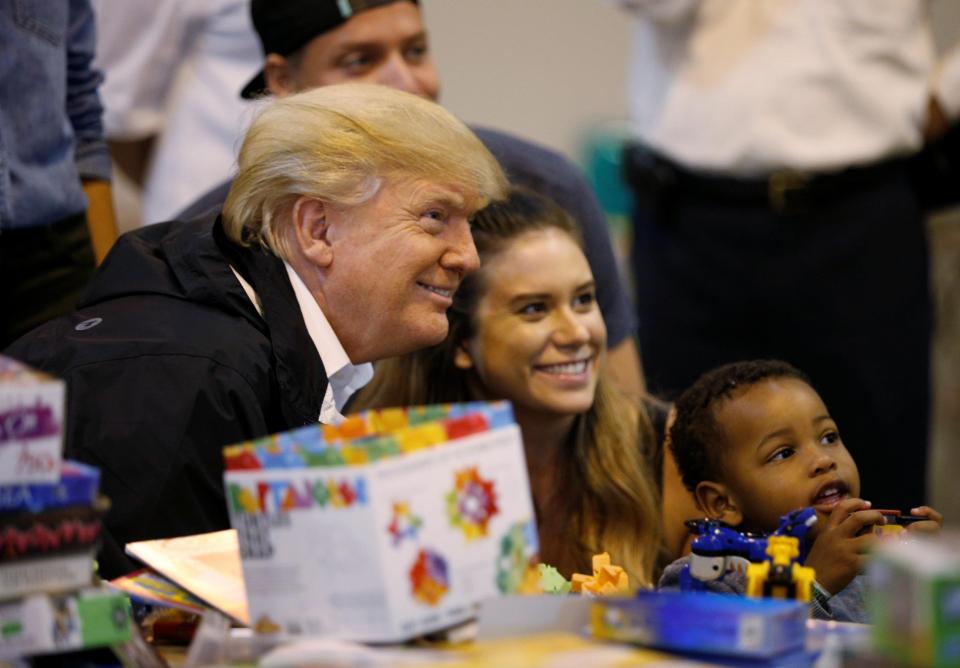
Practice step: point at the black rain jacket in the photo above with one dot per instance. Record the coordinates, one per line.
(166, 362)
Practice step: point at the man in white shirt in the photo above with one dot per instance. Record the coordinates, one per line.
(776, 214)
(342, 240)
(171, 114)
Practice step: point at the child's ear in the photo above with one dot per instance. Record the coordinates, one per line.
(461, 357)
(718, 503)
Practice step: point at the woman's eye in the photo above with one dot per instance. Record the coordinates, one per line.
(585, 299)
(534, 308)
(781, 454)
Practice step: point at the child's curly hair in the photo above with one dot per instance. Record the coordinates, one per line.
(696, 438)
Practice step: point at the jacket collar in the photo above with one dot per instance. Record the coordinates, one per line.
(300, 374)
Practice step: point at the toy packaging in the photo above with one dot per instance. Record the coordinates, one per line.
(914, 600)
(395, 524)
(704, 623)
(31, 420)
(40, 624)
(77, 485)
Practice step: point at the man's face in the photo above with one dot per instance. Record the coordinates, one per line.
(396, 262)
(386, 45)
(783, 453)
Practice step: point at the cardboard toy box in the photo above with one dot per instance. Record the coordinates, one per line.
(40, 623)
(914, 600)
(704, 623)
(429, 520)
(31, 419)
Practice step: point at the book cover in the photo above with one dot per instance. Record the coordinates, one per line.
(206, 565)
(31, 423)
(40, 624)
(77, 485)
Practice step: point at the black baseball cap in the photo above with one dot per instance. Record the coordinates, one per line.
(284, 26)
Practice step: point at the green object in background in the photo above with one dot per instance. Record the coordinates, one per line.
(601, 156)
(105, 619)
(601, 153)
(551, 581)
(914, 601)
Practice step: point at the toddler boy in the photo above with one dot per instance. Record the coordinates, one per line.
(754, 441)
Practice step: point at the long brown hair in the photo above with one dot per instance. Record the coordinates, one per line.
(608, 500)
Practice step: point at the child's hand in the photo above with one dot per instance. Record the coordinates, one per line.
(932, 524)
(837, 553)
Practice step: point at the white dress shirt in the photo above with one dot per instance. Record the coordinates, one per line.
(174, 70)
(344, 378)
(746, 87)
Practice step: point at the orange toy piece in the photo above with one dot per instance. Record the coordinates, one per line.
(607, 579)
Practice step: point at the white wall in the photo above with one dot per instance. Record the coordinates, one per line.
(544, 69)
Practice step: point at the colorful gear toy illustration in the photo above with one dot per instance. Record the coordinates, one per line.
(472, 503)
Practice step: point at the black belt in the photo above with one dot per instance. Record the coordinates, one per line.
(782, 191)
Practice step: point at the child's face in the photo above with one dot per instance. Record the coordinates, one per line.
(784, 453)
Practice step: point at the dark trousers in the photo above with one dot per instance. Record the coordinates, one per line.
(837, 286)
(43, 271)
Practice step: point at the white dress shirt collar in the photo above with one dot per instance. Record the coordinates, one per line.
(344, 377)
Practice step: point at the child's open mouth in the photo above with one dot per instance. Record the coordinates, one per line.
(830, 494)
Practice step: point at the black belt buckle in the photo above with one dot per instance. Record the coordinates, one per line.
(782, 190)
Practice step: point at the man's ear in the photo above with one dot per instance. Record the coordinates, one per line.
(311, 231)
(718, 503)
(279, 75)
(461, 357)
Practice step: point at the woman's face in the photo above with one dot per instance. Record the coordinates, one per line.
(538, 336)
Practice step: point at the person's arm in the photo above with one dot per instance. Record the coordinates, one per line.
(101, 220)
(140, 47)
(943, 108)
(85, 113)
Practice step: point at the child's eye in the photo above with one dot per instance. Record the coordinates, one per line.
(829, 438)
(781, 454)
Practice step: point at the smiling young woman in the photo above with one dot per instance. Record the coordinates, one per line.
(527, 328)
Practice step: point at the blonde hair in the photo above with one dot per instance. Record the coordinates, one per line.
(339, 144)
(608, 496)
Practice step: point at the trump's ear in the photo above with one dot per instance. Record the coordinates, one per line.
(311, 231)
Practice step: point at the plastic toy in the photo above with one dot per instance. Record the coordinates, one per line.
(607, 579)
(719, 549)
(896, 522)
(781, 576)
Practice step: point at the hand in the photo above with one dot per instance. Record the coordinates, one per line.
(837, 553)
(936, 124)
(931, 525)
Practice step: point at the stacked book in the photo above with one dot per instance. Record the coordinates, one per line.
(50, 526)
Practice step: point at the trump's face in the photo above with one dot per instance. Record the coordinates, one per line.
(396, 261)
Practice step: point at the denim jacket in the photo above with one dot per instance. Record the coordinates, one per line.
(51, 134)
